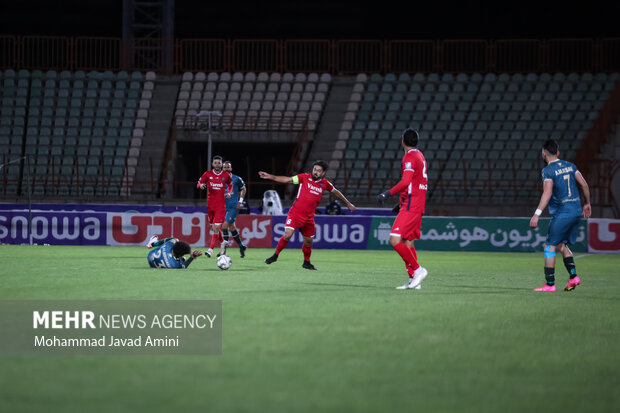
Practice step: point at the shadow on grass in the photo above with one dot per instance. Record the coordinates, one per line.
(342, 285)
(482, 287)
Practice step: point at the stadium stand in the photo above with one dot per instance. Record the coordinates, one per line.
(480, 133)
(80, 133)
(286, 99)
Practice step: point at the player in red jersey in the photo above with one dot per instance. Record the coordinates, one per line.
(406, 227)
(215, 180)
(301, 214)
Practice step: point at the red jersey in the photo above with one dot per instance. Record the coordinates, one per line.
(413, 194)
(216, 184)
(309, 195)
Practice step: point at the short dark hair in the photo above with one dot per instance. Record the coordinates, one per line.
(551, 146)
(410, 137)
(217, 157)
(320, 163)
(180, 248)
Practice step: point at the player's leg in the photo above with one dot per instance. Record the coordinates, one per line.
(549, 252)
(412, 248)
(225, 227)
(307, 231)
(402, 230)
(218, 220)
(421, 272)
(220, 240)
(235, 233)
(216, 237)
(211, 218)
(569, 264)
(404, 252)
(397, 233)
(410, 262)
(154, 242)
(413, 231)
(284, 239)
(567, 254)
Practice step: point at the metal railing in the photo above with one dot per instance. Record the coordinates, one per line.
(318, 55)
(73, 182)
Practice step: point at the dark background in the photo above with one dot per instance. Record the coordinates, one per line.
(384, 19)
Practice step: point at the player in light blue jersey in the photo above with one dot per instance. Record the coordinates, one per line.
(560, 180)
(169, 252)
(233, 205)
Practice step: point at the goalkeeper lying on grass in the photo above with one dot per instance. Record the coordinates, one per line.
(169, 252)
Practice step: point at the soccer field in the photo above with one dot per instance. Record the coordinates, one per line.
(476, 338)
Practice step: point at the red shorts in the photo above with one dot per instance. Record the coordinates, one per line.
(216, 216)
(305, 225)
(407, 225)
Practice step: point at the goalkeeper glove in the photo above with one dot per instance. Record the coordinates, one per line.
(382, 197)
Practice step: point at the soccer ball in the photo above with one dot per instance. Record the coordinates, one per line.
(224, 262)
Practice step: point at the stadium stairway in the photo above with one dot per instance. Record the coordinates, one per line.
(325, 138)
(156, 136)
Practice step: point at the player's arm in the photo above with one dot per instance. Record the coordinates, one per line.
(193, 255)
(341, 197)
(585, 189)
(544, 201)
(402, 184)
(202, 182)
(228, 194)
(278, 178)
(241, 196)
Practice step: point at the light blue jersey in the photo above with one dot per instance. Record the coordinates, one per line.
(237, 184)
(565, 200)
(161, 257)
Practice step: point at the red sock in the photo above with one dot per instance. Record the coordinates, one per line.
(281, 245)
(220, 237)
(307, 249)
(214, 238)
(415, 254)
(407, 256)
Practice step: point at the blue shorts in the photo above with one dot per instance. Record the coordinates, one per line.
(231, 215)
(563, 230)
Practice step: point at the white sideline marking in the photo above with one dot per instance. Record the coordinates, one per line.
(581, 256)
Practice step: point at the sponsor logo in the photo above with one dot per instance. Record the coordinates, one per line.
(382, 233)
(135, 229)
(604, 235)
(316, 190)
(67, 228)
(255, 230)
(326, 232)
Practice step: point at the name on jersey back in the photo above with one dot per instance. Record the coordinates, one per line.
(563, 170)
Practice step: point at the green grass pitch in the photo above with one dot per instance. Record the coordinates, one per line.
(476, 338)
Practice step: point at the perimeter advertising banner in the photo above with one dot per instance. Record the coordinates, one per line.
(475, 234)
(132, 225)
